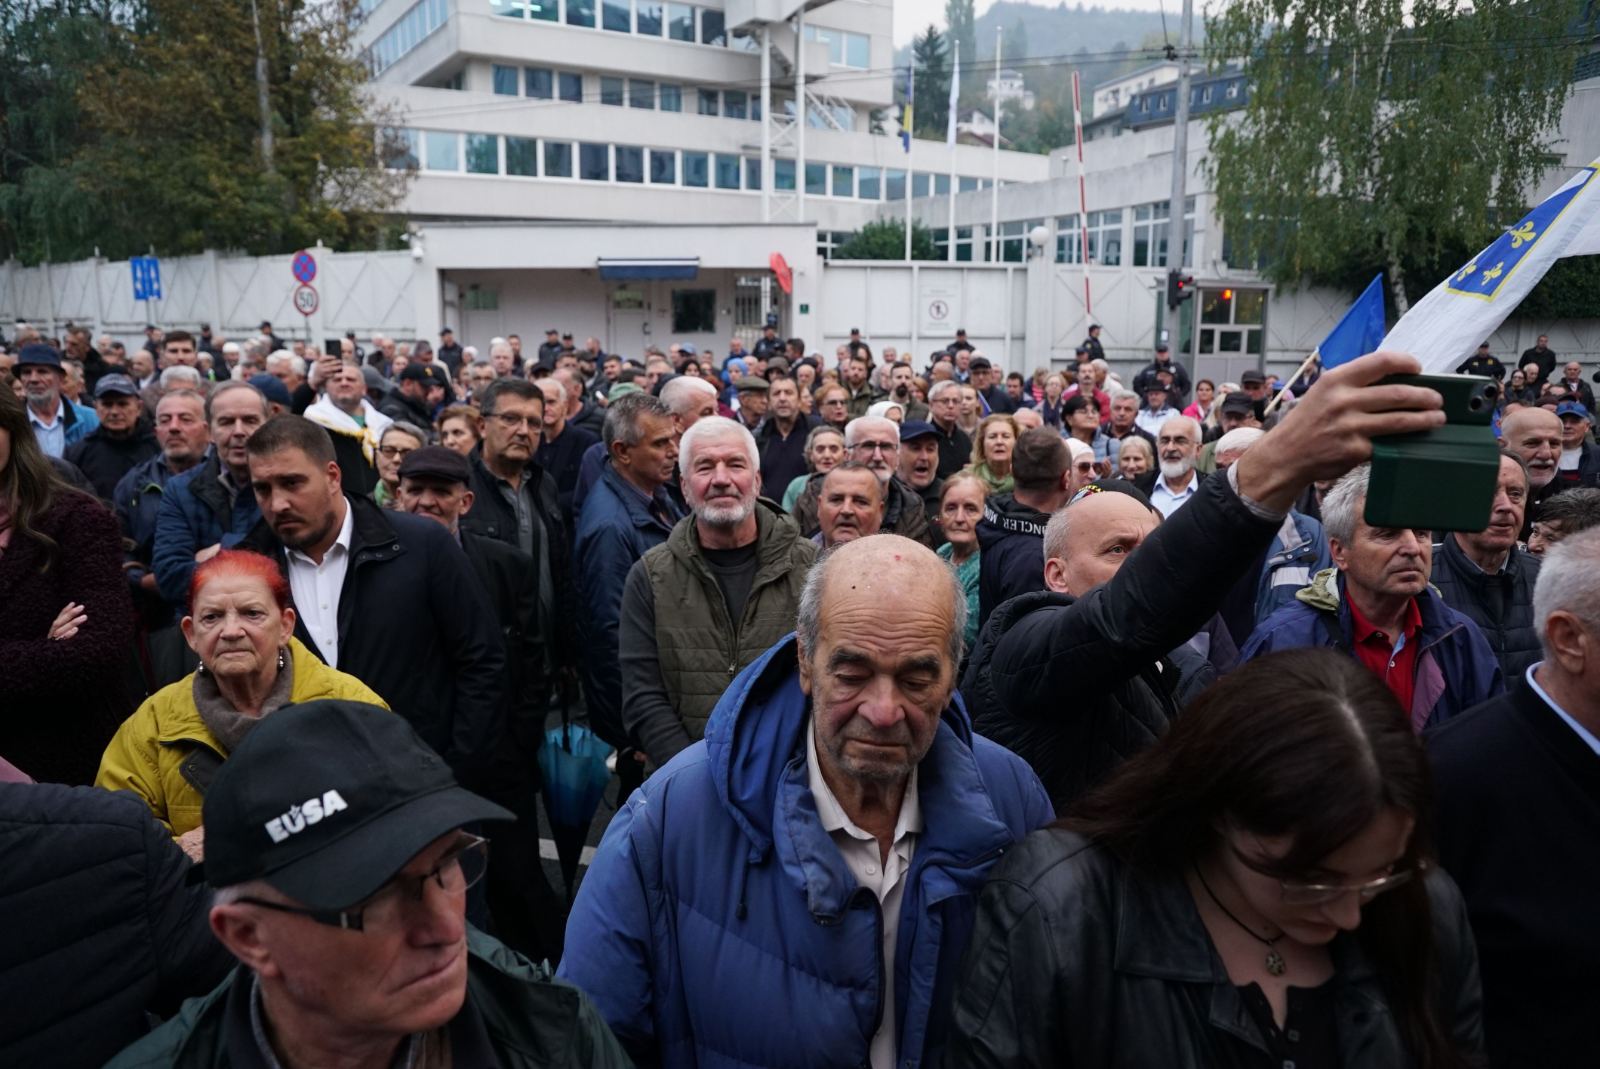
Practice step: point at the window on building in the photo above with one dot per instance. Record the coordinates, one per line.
(964, 243)
(966, 185)
(503, 79)
(663, 167)
(816, 179)
(1014, 240)
(649, 17)
(538, 82)
(1105, 238)
(735, 103)
(522, 156)
(920, 184)
(708, 101)
(641, 94)
(611, 90)
(544, 10)
(680, 22)
(558, 159)
(694, 311)
(630, 163)
(728, 168)
(696, 169)
(713, 29)
(580, 13)
(671, 97)
(752, 172)
(857, 50)
(894, 185)
(1205, 95)
(398, 147)
(571, 87)
(594, 162)
(616, 15)
(869, 186)
(409, 31)
(1150, 223)
(1232, 92)
(783, 177)
(941, 185)
(483, 154)
(441, 151)
(844, 181)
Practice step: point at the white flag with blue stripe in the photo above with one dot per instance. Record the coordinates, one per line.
(1444, 328)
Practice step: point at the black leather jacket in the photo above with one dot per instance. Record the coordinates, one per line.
(1077, 961)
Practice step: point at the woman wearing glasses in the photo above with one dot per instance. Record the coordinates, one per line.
(1253, 890)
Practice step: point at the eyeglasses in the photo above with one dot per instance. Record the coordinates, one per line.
(870, 448)
(511, 422)
(389, 452)
(458, 870)
(1298, 893)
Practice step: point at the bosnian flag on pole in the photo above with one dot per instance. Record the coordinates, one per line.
(1359, 332)
(1443, 328)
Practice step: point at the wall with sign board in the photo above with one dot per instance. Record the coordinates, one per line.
(918, 307)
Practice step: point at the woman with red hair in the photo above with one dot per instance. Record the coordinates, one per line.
(241, 626)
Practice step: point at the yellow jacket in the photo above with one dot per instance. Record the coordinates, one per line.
(147, 754)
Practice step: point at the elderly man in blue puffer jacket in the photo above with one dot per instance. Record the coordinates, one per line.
(796, 889)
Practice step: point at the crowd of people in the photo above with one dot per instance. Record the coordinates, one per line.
(958, 716)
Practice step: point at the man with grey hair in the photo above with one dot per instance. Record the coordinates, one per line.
(839, 773)
(1563, 515)
(727, 580)
(1517, 817)
(628, 513)
(944, 412)
(1375, 605)
(563, 445)
(690, 400)
(1174, 481)
(875, 442)
(210, 507)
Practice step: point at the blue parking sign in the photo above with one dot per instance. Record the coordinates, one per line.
(146, 271)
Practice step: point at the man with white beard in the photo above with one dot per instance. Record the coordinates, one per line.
(1534, 434)
(731, 573)
(1176, 447)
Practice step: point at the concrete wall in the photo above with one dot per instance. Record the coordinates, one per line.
(918, 307)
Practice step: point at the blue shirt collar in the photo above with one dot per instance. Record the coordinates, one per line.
(1583, 733)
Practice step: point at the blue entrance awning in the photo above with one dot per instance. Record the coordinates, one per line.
(636, 270)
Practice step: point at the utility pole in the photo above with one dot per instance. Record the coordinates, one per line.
(263, 91)
(1180, 162)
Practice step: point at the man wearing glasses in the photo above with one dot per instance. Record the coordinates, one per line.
(875, 442)
(341, 866)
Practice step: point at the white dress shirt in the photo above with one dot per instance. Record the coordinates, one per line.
(316, 589)
(1167, 500)
(1583, 733)
(884, 877)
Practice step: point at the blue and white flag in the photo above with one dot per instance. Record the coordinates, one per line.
(1444, 328)
(1359, 332)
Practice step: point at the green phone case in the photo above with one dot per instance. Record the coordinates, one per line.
(1443, 479)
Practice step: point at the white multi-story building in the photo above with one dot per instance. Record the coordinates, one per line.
(675, 125)
(1009, 86)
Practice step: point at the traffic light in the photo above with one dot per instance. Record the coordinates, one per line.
(1180, 288)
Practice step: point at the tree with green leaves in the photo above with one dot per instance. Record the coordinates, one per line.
(1383, 134)
(885, 239)
(233, 124)
(931, 57)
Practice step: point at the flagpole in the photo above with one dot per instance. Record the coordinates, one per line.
(1305, 366)
(950, 150)
(910, 114)
(994, 178)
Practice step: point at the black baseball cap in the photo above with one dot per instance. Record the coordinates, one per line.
(551, 330)
(1238, 403)
(1253, 377)
(979, 363)
(327, 800)
(436, 462)
(1163, 348)
(424, 373)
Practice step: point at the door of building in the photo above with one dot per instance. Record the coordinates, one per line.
(628, 310)
(1230, 336)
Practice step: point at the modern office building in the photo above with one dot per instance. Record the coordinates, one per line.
(669, 123)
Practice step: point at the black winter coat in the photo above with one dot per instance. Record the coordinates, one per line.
(1501, 605)
(1075, 684)
(1076, 960)
(493, 517)
(510, 583)
(104, 460)
(1011, 543)
(414, 627)
(100, 926)
(1517, 814)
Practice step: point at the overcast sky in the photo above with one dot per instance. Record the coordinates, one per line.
(911, 17)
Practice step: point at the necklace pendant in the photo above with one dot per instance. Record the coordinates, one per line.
(1275, 963)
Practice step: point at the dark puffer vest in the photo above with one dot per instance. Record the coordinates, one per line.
(1501, 605)
(700, 648)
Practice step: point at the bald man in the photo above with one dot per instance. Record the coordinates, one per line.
(721, 920)
(1534, 434)
(1089, 670)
